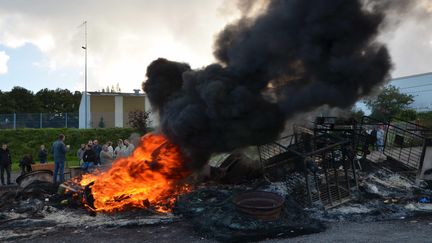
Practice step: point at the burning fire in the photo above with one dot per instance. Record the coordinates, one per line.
(150, 176)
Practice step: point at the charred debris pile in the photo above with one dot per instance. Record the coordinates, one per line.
(287, 59)
(327, 171)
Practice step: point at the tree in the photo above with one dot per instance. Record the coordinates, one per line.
(140, 120)
(19, 100)
(7, 105)
(390, 103)
(48, 100)
(101, 123)
(357, 114)
(59, 100)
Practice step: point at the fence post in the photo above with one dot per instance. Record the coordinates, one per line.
(66, 122)
(14, 120)
(40, 120)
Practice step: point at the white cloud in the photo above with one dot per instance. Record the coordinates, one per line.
(3, 62)
(123, 36)
(410, 48)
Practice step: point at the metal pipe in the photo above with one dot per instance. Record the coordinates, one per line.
(85, 76)
(14, 120)
(66, 120)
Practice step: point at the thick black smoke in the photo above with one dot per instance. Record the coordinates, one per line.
(166, 80)
(306, 53)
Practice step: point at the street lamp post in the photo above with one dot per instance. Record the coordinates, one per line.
(85, 75)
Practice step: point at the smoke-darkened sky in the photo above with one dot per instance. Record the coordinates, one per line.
(40, 41)
(293, 57)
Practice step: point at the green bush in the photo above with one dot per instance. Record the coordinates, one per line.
(28, 141)
(425, 119)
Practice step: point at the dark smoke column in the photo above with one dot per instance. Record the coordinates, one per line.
(312, 52)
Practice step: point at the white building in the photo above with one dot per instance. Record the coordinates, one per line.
(112, 108)
(420, 86)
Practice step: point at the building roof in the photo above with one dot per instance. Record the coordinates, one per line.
(412, 76)
(115, 94)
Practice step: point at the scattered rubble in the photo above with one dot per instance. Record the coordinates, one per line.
(317, 173)
(213, 214)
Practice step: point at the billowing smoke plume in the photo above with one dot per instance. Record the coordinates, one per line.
(296, 56)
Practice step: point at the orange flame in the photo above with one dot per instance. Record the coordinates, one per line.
(150, 176)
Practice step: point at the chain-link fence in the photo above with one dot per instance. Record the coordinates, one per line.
(38, 120)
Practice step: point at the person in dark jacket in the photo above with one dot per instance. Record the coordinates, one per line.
(89, 158)
(43, 154)
(373, 139)
(25, 164)
(59, 150)
(97, 148)
(5, 164)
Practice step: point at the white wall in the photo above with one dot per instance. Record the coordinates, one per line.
(81, 120)
(154, 116)
(118, 111)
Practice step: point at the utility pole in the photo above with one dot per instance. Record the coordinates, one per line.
(85, 75)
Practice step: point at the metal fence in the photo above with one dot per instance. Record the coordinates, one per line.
(38, 120)
(314, 164)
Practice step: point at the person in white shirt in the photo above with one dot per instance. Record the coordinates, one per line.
(120, 150)
(129, 147)
(105, 156)
(110, 149)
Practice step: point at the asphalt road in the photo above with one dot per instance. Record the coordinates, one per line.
(407, 230)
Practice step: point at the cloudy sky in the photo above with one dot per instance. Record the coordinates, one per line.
(40, 40)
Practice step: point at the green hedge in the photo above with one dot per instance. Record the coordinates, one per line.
(28, 141)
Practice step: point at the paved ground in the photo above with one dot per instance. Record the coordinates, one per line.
(14, 175)
(418, 230)
(389, 231)
(407, 230)
(5, 188)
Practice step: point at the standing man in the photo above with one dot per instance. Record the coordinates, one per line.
(129, 147)
(97, 149)
(373, 139)
(380, 138)
(110, 148)
(89, 159)
(5, 164)
(120, 150)
(80, 153)
(105, 156)
(59, 150)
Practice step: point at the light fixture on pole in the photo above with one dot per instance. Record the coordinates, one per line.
(85, 76)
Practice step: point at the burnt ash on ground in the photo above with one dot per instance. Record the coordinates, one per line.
(38, 210)
(384, 195)
(212, 212)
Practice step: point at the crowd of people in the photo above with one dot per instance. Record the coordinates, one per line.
(93, 154)
(90, 155)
